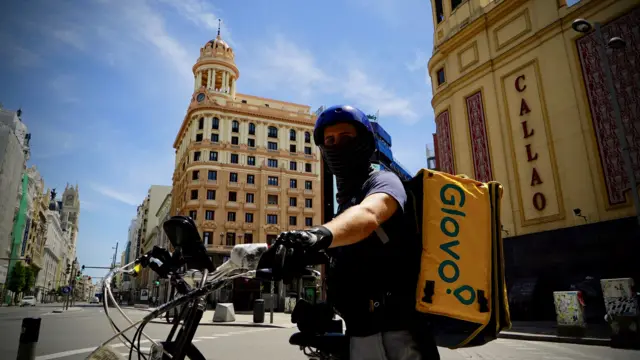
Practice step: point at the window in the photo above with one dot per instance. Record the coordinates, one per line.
(307, 167)
(213, 175)
(231, 216)
(195, 174)
(250, 198)
(308, 221)
(293, 184)
(234, 158)
(307, 137)
(272, 199)
(194, 194)
(251, 160)
(213, 156)
(201, 124)
(198, 137)
(215, 138)
(292, 148)
(439, 11)
(248, 218)
(455, 4)
(307, 185)
(248, 238)
(272, 145)
(293, 166)
(208, 215)
(293, 202)
(193, 214)
(293, 220)
(233, 196)
(272, 132)
(211, 194)
(307, 150)
(252, 129)
(271, 238)
(251, 179)
(272, 180)
(251, 142)
(233, 177)
(308, 203)
(234, 140)
(215, 123)
(207, 237)
(440, 76)
(292, 135)
(231, 239)
(244, 101)
(196, 156)
(272, 163)
(272, 219)
(235, 126)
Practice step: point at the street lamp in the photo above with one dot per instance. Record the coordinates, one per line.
(616, 43)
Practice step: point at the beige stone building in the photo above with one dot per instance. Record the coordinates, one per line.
(246, 167)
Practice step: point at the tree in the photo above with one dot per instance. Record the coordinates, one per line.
(17, 281)
(29, 279)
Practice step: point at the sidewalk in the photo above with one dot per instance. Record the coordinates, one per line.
(596, 334)
(243, 319)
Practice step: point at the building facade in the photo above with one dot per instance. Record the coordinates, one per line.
(35, 232)
(246, 167)
(53, 251)
(70, 218)
(14, 153)
(520, 98)
(162, 287)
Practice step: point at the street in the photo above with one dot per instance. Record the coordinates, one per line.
(74, 334)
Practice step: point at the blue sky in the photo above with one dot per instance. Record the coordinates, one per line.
(104, 84)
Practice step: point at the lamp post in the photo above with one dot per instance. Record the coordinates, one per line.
(583, 26)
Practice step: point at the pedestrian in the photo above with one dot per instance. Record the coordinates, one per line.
(370, 281)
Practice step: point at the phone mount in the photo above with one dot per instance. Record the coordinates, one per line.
(185, 238)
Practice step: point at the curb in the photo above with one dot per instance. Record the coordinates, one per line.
(234, 324)
(64, 311)
(555, 338)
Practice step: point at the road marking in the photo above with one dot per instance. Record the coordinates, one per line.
(207, 337)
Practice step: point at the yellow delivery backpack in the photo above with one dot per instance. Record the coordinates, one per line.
(461, 288)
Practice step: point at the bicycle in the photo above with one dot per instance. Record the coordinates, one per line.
(190, 253)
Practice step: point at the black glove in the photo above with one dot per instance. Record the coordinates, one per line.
(314, 239)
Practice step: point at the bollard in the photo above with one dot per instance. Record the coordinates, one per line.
(28, 338)
(258, 311)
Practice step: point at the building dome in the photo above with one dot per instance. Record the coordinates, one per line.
(218, 43)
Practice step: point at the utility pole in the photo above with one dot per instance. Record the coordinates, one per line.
(113, 262)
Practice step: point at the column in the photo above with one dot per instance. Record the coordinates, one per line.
(213, 79)
(195, 82)
(224, 82)
(233, 87)
(198, 80)
(208, 79)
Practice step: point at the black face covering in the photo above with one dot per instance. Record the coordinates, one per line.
(350, 162)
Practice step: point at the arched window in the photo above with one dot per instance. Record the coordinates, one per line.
(292, 135)
(307, 137)
(235, 126)
(272, 132)
(252, 129)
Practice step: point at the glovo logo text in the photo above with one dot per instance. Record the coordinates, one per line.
(453, 199)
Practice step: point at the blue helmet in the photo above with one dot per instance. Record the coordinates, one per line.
(342, 114)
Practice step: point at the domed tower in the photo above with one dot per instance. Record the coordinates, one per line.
(215, 72)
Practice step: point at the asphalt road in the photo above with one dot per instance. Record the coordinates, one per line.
(73, 335)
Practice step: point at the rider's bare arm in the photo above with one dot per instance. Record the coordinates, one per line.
(359, 221)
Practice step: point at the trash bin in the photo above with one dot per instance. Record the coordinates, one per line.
(570, 313)
(258, 311)
(621, 303)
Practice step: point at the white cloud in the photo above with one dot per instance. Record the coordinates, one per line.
(283, 64)
(116, 194)
(202, 14)
(69, 37)
(63, 88)
(419, 62)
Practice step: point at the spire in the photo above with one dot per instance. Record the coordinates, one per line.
(219, 22)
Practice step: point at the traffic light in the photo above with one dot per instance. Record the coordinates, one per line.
(157, 283)
(82, 267)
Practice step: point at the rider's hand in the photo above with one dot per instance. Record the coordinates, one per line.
(314, 239)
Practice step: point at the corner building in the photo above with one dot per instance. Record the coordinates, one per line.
(520, 97)
(246, 167)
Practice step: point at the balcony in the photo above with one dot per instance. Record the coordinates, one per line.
(212, 182)
(309, 192)
(232, 205)
(193, 202)
(293, 209)
(209, 224)
(273, 207)
(291, 191)
(309, 211)
(273, 189)
(231, 225)
(233, 185)
(211, 203)
(248, 226)
(250, 206)
(250, 186)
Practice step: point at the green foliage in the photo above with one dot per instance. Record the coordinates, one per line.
(29, 279)
(17, 281)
